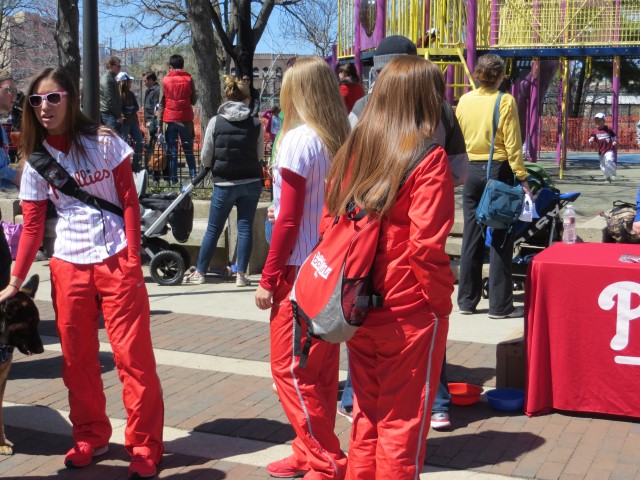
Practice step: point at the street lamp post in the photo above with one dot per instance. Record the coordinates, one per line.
(90, 60)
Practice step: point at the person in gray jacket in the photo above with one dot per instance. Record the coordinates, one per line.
(233, 146)
(110, 103)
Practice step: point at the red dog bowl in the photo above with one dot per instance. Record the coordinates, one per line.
(464, 393)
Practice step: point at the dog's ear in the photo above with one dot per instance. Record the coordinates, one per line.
(30, 287)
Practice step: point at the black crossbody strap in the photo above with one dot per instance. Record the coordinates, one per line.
(43, 163)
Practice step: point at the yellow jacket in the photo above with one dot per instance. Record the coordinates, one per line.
(475, 115)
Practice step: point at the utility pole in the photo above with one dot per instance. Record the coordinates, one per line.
(90, 65)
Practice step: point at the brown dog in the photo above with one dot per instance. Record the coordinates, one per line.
(19, 319)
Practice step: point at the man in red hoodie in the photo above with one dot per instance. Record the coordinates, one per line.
(175, 114)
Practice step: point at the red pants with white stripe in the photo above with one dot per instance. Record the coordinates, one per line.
(125, 306)
(308, 395)
(395, 371)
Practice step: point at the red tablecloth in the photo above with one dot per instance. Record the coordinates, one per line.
(583, 330)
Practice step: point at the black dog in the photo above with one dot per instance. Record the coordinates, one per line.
(19, 319)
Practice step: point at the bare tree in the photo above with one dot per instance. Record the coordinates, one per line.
(229, 28)
(67, 38)
(314, 22)
(26, 35)
(28, 38)
(208, 65)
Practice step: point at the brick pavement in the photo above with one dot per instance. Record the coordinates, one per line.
(241, 406)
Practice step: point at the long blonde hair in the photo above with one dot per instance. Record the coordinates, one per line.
(310, 94)
(401, 117)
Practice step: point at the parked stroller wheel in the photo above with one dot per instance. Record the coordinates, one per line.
(167, 268)
(485, 288)
(186, 258)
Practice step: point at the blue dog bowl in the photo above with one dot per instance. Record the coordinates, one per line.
(506, 399)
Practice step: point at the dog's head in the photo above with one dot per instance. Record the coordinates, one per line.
(19, 319)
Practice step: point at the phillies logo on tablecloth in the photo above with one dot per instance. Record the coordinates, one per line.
(626, 297)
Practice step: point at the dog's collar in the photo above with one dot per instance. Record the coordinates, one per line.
(5, 352)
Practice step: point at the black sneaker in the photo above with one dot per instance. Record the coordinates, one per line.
(517, 312)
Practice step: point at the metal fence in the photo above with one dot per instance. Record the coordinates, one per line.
(157, 165)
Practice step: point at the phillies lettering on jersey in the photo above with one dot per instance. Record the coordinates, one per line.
(84, 235)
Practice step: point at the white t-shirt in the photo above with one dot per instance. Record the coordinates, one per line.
(302, 152)
(84, 235)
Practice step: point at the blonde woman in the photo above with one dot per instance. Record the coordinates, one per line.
(392, 165)
(233, 147)
(315, 126)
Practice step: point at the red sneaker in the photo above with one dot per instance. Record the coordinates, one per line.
(285, 469)
(82, 453)
(142, 467)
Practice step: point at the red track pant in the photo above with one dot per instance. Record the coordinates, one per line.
(308, 395)
(125, 307)
(395, 371)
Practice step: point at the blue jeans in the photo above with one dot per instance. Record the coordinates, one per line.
(442, 402)
(245, 197)
(347, 392)
(185, 131)
(110, 121)
(136, 136)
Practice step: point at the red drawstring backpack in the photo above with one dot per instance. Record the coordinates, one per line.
(333, 290)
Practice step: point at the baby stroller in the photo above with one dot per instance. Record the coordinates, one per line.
(159, 213)
(530, 238)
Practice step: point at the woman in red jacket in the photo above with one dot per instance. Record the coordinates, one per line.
(387, 166)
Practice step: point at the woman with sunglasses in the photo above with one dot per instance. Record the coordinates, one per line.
(95, 268)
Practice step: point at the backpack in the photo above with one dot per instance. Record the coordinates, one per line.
(333, 290)
(619, 223)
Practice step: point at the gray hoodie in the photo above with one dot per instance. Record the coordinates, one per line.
(232, 112)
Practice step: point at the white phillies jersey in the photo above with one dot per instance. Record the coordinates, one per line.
(302, 152)
(84, 234)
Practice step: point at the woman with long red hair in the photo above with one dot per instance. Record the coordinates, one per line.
(391, 165)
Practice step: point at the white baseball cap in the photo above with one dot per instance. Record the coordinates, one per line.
(122, 76)
(599, 115)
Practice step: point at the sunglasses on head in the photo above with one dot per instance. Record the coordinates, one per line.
(53, 98)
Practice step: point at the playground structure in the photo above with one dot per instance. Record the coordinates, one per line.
(536, 38)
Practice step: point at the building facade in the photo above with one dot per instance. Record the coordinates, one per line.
(27, 44)
(268, 70)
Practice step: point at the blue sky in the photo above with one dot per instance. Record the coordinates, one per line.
(111, 31)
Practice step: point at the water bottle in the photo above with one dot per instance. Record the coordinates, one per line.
(569, 225)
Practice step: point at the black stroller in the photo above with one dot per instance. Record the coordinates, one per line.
(545, 229)
(159, 213)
